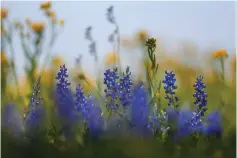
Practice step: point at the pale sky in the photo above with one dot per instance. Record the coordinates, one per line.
(208, 24)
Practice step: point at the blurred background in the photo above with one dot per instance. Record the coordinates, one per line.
(192, 38)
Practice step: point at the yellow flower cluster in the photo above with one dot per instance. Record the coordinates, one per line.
(4, 13)
(112, 58)
(3, 58)
(61, 22)
(57, 61)
(37, 27)
(45, 5)
(220, 53)
(142, 35)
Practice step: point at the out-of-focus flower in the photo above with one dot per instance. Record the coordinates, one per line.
(4, 13)
(112, 58)
(12, 120)
(57, 61)
(52, 15)
(142, 36)
(35, 114)
(61, 22)
(45, 5)
(139, 109)
(38, 27)
(220, 53)
(214, 124)
(91, 112)
(4, 60)
(65, 101)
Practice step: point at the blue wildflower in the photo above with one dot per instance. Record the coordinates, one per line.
(93, 116)
(187, 123)
(90, 111)
(118, 89)
(170, 88)
(80, 99)
(139, 108)
(35, 115)
(65, 103)
(214, 124)
(200, 96)
(65, 99)
(12, 120)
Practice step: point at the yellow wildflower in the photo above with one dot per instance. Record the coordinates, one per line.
(142, 35)
(45, 5)
(112, 58)
(4, 13)
(37, 27)
(61, 22)
(220, 53)
(57, 61)
(3, 58)
(52, 15)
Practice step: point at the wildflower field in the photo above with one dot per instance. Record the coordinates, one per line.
(167, 109)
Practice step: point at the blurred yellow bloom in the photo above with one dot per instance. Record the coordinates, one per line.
(61, 22)
(47, 78)
(52, 15)
(220, 53)
(57, 61)
(45, 5)
(4, 13)
(112, 58)
(3, 58)
(89, 84)
(142, 36)
(37, 27)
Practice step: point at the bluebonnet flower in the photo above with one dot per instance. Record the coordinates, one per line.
(188, 124)
(200, 96)
(170, 88)
(81, 100)
(35, 115)
(90, 111)
(118, 89)
(65, 100)
(184, 122)
(65, 103)
(214, 124)
(93, 116)
(12, 120)
(125, 88)
(139, 109)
